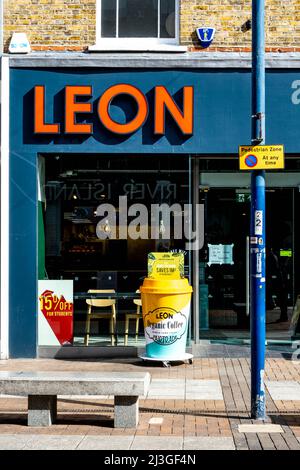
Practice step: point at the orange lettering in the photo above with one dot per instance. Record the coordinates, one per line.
(39, 113)
(73, 107)
(183, 119)
(134, 124)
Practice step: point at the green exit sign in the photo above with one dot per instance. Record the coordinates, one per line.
(243, 197)
(286, 253)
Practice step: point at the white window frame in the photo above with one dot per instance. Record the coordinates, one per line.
(136, 43)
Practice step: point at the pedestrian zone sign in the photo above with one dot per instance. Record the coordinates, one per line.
(261, 157)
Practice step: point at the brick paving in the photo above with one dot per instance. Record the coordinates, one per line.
(173, 421)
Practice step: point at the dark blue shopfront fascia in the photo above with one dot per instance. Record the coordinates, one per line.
(221, 123)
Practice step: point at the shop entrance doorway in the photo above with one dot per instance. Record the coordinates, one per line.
(224, 262)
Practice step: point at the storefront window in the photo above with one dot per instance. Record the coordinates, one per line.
(96, 229)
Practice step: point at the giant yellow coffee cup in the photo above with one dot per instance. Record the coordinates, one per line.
(166, 310)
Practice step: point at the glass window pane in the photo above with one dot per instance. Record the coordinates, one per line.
(138, 18)
(108, 18)
(167, 18)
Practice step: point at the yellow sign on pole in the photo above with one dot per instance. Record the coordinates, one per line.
(261, 157)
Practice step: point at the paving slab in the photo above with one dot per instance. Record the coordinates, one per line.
(167, 388)
(291, 441)
(190, 389)
(13, 442)
(106, 443)
(49, 442)
(203, 390)
(166, 394)
(156, 382)
(157, 443)
(266, 441)
(260, 428)
(284, 390)
(156, 420)
(208, 443)
(81, 442)
(253, 442)
(279, 442)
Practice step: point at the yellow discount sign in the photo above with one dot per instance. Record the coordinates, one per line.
(164, 265)
(261, 157)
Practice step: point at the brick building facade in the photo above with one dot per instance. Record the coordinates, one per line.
(71, 24)
(170, 138)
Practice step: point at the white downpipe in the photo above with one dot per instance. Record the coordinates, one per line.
(4, 303)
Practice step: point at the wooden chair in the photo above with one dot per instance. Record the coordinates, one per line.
(137, 316)
(92, 315)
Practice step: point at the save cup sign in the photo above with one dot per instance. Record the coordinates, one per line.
(261, 157)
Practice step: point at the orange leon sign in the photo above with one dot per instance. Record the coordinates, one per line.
(163, 103)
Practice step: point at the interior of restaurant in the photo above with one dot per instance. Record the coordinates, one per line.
(76, 243)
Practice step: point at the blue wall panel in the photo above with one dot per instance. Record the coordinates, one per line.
(23, 258)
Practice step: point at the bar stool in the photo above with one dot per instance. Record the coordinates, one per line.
(133, 316)
(92, 315)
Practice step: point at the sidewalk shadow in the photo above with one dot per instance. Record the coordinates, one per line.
(130, 361)
(288, 419)
(88, 419)
(82, 402)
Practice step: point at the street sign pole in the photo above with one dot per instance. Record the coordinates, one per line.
(257, 230)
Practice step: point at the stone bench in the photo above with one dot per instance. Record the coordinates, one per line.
(42, 389)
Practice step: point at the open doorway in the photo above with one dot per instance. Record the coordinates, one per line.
(224, 261)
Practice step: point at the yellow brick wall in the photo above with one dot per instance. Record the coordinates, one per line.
(228, 16)
(71, 24)
(52, 24)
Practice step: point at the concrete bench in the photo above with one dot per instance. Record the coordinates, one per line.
(42, 389)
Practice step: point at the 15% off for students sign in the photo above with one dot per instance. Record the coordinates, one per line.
(261, 157)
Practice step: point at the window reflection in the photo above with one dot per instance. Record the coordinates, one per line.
(108, 18)
(138, 19)
(167, 18)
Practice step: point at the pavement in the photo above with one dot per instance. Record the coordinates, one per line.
(204, 405)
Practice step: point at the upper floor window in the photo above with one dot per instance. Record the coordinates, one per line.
(153, 21)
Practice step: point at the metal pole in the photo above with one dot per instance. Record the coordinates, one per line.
(247, 276)
(257, 231)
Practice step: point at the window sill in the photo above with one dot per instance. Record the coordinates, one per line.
(137, 48)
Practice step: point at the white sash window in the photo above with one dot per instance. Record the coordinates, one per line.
(135, 24)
